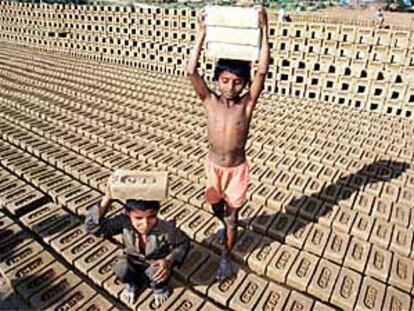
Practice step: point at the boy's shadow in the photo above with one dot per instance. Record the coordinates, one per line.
(203, 276)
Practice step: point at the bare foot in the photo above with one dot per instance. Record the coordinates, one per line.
(129, 294)
(160, 298)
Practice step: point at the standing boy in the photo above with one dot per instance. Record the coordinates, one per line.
(228, 119)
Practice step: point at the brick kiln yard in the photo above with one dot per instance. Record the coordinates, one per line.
(328, 224)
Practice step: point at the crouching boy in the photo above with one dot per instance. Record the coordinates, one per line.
(151, 246)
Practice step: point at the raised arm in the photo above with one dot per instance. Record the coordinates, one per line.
(264, 58)
(198, 83)
(96, 223)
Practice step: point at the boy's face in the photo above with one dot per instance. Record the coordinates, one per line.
(230, 84)
(143, 221)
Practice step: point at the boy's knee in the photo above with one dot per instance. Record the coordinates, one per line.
(219, 209)
(231, 218)
(121, 269)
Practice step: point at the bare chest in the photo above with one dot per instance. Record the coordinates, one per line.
(226, 118)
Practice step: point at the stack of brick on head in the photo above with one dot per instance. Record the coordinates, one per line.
(151, 246)
(236, 36)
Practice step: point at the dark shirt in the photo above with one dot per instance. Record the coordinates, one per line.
(163, 239)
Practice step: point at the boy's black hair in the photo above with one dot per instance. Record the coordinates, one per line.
(238, 67)
(141, 205)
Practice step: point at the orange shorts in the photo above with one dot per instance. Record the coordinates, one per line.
(227, 183)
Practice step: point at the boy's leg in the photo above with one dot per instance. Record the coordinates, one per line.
(131, 272)
(219, 210)
(230, 223)
(161, 290)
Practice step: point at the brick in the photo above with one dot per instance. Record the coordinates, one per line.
(54, 183)
(261, 193)
(31, 267)
(382, 209)
(278, 199)
(56, 290)
(346, 289)
(322, 307)
(94, 256)
(187, 300)
(336, 247)
(45, 177)
(381, 233)
(79, 248)
(246, 242)
(248, 213)
(5, 222)
(279, 266)
(317, 239)
(195, 223)
(243, 17)
(12, 259)
(194, 259)
(274, 298)
(402, 272)
(284, 179)
(60, 191)
(38, 214)
(401, 242)
(206, 235)
(182, 215)
(75, 298)
(323, 281)
(396, 300)
(270, 175)
(298, 233)
(371, 295)
(188, 192)
(263, 220)
(362, 226)
(14, 191)
(114, 286)
(239, 36)
(280, 226)
(248, 294)
(41, 279)
(208, 306)
(98, 303)
(310, 208)
(65, 223)
(13, 238)
(73, 193)
(357, 255)
(344, 220)
(169, 207)
(298, 301)
(222, 292)
(26, 167)
(379, 263)
(26, 203)
(206, 274)
(139, 185)
(104, 270)
(262, 255)
(400, 215)
(302, 270)
(75, 203)
(149, 303)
